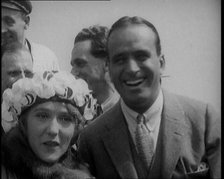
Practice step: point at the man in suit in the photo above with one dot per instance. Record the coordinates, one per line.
(182, 134)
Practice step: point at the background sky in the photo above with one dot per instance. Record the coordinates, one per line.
(190, 32)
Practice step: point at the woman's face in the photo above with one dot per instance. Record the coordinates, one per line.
(50, 129)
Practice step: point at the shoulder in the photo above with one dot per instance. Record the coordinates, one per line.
(39, 48)
(6, 174)
(11, 152)
(187, 104)
(196, 112)
(101, 124)
(44, 58)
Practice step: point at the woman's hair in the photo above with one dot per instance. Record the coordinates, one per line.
(48, 86)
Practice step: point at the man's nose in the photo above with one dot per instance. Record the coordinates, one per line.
(75, 71)
(19, 76)
(4, 27)
(132, 65)
(23, 75)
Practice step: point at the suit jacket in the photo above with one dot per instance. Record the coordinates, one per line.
(189, 144)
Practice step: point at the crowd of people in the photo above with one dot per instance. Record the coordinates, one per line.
(109, 117)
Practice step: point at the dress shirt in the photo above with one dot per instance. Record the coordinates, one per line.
(152, 116)
(44, 59)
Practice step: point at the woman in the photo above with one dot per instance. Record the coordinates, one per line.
(49, 111)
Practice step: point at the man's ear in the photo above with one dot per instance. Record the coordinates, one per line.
(27, 22)
(162, 63)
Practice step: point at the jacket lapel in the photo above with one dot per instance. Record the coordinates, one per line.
(172, 130)
(117, 144)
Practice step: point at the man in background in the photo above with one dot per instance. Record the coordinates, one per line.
(89, 62)
(16, 63)
(15, 22)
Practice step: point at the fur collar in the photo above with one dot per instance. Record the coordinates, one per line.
(19, 158)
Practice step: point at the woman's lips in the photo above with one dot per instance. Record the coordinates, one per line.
(51, 143)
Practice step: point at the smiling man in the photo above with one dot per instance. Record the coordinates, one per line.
(149, 133)
(16, 63)
(89, 61)
(15, 22)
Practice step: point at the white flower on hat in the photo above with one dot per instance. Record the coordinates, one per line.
(64, 85)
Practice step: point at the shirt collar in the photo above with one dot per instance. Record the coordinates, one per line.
(155, 109)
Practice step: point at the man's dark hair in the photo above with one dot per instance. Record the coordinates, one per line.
(98, 37)
(126, 21)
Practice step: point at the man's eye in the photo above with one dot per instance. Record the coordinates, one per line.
(14, 73)
(9, 21)
(80, 64)
(28, 74)
(142, 56)
(118, 60)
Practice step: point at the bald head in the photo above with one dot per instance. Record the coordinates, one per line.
(16, 63)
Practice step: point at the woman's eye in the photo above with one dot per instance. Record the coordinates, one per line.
(42, 115)
(65, 119)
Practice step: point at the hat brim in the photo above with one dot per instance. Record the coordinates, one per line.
(10, 6)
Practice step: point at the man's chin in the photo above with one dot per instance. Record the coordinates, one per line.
(7, 42)
(8, 38)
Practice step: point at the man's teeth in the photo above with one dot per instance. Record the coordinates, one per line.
(134, 82)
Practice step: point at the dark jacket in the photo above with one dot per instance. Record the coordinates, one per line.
(188, 146)
(19, 162)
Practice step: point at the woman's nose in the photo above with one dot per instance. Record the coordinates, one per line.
(53, 128)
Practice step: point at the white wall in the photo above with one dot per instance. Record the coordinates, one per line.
(190, 31)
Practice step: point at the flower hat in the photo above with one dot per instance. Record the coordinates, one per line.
(25, 92)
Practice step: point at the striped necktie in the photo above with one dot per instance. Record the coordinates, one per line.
(144, 142)
(99, 110)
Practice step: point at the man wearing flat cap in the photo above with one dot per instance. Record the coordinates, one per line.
(15, 21)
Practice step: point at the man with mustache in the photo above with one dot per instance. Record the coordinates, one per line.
(15, 22)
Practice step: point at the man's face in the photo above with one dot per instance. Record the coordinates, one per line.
(135, 67)
(14, 67)
(86, 66)
(13, 26)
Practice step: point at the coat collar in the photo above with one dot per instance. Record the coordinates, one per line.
(171, 132)
(117, 144)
